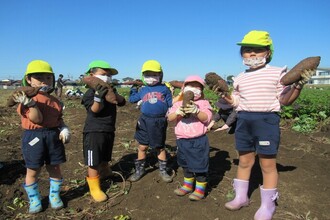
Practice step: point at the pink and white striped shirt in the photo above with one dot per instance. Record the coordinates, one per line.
(259, 90)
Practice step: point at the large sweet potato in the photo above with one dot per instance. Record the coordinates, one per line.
(308, 64)
(176, 84)
(213, 80)
(28, 90)
(92, 82)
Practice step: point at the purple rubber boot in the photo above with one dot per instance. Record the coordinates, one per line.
(267, 208)
(241, 195)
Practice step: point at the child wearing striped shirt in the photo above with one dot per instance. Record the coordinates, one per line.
(257, 97)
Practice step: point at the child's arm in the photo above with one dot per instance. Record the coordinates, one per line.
(210, 125)
(178, 114)
(99, 95)
(291, 96)
(231, 118)
(193, 109)
(34, 114)
(134, 95)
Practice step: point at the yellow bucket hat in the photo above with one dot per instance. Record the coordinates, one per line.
(152, 65)
(37, 66)
(258, 39)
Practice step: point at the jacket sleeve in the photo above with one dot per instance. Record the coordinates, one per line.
(231, 118)
(134, 95)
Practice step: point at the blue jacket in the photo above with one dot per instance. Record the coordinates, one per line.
(156, 100)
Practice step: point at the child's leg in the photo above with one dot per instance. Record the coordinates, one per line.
(32, 175)
(55, 186)
(161, 153)
(162, 165)
(188, 183)
(269, 171)
(93, 181)
(32, 189)
(200, 187)
(268, 191)
(142, 149)
(139, 164)
(241, 184)
(104, 170)
(54, 171)
(246, 161)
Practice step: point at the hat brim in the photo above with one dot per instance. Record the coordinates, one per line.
(251, 45)
(112, 71)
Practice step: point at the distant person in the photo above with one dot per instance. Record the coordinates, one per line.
(257, 97)
(99, 129)
(44, 134)
(227, 113)
(191, 139)
(59, 85)
(152, 123)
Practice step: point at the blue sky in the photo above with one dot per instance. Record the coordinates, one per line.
(188, 37)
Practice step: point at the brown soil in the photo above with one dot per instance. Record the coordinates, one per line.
(303, 165)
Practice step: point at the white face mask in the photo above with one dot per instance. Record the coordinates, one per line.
(104, 78)
(197, 92)
(151, 80)
(254, 61)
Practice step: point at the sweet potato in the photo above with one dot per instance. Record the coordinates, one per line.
(92, 82)
(212, 79)
(135, 82)
(187, 97)
(176, 84)
(294, 75)
(28, 90)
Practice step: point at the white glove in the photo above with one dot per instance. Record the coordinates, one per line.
(20, 97)
(305, 77)
(65, 135)
(191, 108)
(180, 111)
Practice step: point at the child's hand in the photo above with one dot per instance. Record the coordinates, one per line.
(222, 128)
(65, 135)
(100, 92)
(305, 76)
(180, 111)
(20, 97)
(191, 108)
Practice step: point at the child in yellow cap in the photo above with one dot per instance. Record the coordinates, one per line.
(152, 124)
(258, 96)
(44, 134)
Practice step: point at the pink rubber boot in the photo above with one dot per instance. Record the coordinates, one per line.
(267, 208)
(241, 195)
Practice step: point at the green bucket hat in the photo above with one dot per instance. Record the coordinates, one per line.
(101, 64)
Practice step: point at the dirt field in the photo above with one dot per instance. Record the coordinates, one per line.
(303, 165)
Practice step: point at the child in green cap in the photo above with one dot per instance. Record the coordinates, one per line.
(99, 129)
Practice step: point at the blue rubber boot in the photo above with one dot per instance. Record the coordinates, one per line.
(32, 191)
(54, 193)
